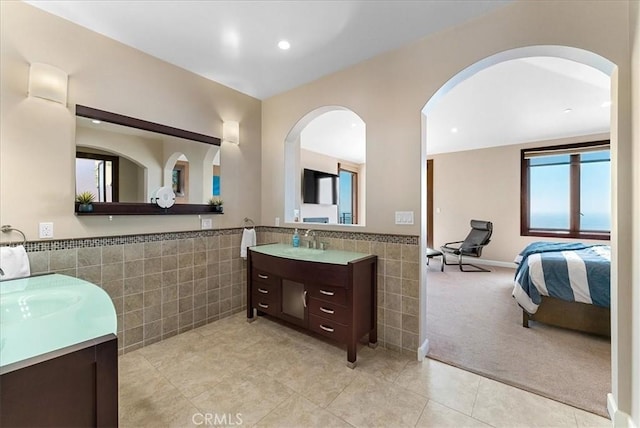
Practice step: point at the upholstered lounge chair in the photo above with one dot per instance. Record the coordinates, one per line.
(476, 240)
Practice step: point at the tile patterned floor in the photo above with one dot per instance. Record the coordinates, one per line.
(264, 374)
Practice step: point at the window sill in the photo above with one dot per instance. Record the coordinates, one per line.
(601, 236)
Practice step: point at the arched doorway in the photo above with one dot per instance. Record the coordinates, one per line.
(577, 55)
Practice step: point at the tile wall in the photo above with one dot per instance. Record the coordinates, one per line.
(165, 284)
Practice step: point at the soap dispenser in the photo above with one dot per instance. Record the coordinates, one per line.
(295, 241)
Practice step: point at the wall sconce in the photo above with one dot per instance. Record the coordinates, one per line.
(48, 82)
(231, 132)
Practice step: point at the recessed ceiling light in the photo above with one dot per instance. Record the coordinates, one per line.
(568, 110)
(95, 121)
(284, 45)
(454, 130)
(606, 104)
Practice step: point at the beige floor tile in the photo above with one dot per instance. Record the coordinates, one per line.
(168, 351)
(502, 405)
(382, 363)
(448, 385)
(437, 415)
(304, 371)
(251, 396)
(297, 411)
(589, 420)
(372, 402)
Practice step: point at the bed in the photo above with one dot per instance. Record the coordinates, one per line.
(566, 285)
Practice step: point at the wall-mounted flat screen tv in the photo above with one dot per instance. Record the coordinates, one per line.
(319, 187)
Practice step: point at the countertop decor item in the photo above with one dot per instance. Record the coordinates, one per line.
(216, 204)
(84, 201)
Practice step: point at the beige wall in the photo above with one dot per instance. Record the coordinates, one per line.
(389, 91)
(37, 136)
(484, 184)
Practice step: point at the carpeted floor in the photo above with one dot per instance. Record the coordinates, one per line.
(475, 324)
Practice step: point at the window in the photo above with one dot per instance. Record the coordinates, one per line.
(348, 195)
(98, 174)
(566, 191)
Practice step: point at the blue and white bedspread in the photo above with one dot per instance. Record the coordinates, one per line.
(574, 272)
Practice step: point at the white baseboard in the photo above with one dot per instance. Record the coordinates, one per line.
(423, 350)
(619, 418)
(489, 262)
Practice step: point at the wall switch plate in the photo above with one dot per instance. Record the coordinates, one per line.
(46, 230)
(206, 223)
(277, 221)
(404, 217)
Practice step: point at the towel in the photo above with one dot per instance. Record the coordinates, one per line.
(248, 240)
(14, 262)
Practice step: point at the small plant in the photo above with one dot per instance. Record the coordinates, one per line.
(85, 198)
(216, 202)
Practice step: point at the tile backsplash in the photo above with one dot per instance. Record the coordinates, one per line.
(169, 283)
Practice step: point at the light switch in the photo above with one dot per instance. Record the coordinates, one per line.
(404, 217)
(206, 223)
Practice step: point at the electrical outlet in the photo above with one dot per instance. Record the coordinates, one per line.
(46, 230)
(206, 223)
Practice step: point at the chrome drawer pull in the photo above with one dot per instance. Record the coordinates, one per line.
(327, 311)
(263, 291)
(327, 293)
(261, 276)
(325, 328)
(304, 298)
(263, 306)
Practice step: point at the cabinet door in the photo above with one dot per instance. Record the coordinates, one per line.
(294, 306)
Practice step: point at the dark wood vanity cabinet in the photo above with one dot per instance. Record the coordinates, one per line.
(334, 300)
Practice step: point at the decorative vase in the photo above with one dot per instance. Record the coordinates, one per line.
(217, 208)
(85, 208)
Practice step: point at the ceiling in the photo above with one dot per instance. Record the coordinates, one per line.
(235, 43)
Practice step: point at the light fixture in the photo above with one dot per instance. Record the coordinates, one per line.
(568, 110)
(284, 45)
(96, 121)
(231, 132)
(48, 82)
(606, 104)
(454, 130)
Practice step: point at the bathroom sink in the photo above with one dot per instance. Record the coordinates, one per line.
(308, 254)
(302, 251)
(42, 314)
(16, 307)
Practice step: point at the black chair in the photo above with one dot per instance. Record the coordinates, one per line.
(472, 246)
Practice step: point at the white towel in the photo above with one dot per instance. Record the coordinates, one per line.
(14, 262)
(248, 240)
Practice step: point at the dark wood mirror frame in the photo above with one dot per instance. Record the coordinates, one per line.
(134, 208)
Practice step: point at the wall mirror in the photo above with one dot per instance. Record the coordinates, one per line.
(325, 168)
(123, 162)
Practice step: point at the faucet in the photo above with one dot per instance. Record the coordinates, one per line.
(312, 242)
(1, 272)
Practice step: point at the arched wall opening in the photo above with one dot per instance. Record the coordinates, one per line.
(293, 167)
(578, 55)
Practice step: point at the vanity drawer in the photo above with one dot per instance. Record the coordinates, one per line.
(327, 328)
(328, 310)
(266, 305)
(329, 294)
(267, 278)
(265, 289)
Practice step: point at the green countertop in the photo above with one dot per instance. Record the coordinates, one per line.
(336, 257)
(45, 313)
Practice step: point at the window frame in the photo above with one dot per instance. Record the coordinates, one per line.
(115, 171)
(355, 179)
(574, 193)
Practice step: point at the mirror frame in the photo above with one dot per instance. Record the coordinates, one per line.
(135, 208)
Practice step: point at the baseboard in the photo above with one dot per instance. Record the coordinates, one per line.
(619, 418)
(487, 262)
(423, 350)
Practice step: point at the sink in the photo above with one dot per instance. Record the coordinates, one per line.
(17, 307)
(302, 251)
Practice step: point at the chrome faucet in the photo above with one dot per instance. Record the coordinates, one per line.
(312, 242)
(1, 272)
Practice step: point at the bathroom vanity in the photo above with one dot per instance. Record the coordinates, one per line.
(329, 292)
(58, 353)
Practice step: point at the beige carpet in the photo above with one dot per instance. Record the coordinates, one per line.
(474, 323)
